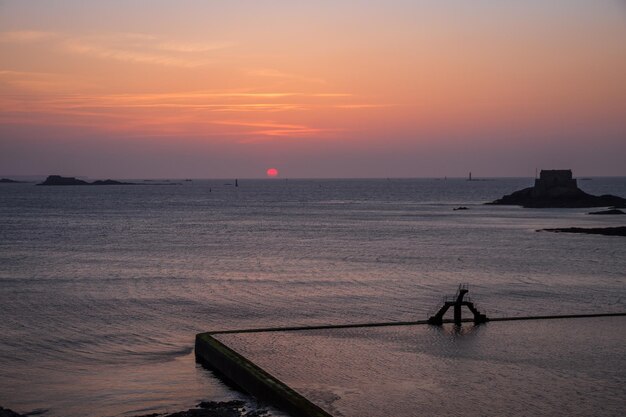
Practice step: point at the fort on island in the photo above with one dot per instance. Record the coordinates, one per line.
(555, 182)
(556, 188)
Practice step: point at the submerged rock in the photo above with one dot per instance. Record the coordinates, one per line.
(212, 405)
(607, 231)
(557, 189)
(5, 412)
(612, 211)
(233, 408)
(460, 208)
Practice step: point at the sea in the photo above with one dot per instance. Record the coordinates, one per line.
(103, 288)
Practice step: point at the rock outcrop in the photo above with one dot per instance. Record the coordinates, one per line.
(9, 181)
(109, 182)
(557, 189)
(59, 180)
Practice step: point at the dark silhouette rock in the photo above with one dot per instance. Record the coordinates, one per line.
(607, 231)
(612, 211)
(460, 208)
(5, 412)
(212, 405)
(109, 182)
(216, 409)
(9, 181)
(59, 180)
(557, 189)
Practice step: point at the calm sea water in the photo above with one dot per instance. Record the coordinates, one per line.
(102, 289)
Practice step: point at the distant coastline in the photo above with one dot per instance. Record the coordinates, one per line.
(58, 180)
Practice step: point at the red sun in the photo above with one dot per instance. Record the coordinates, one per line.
(272, 172)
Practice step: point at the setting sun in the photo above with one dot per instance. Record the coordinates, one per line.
(272, 172)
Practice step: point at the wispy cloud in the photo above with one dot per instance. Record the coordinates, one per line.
(86, 47)
(193, 47)
(272, 105)
(42, 82)
(26, 36)
(362, 106)
(268, 124)
(127, 37)
(124, 46)
(270, 128)
(329, 95)
(146, 48)
(272, 73)
(44, 98)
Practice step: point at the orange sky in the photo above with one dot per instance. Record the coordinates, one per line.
(317, 89)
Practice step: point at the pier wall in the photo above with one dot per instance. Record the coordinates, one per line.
(252, 378)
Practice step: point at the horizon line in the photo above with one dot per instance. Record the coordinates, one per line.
(177, 178)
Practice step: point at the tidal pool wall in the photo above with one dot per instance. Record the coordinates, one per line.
(251, 378)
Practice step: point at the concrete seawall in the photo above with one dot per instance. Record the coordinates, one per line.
(252, 378)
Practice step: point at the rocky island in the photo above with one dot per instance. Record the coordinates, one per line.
(557, 189)
(9, 181)
(59, 180)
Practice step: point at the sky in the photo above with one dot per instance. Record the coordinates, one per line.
(315, 89)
